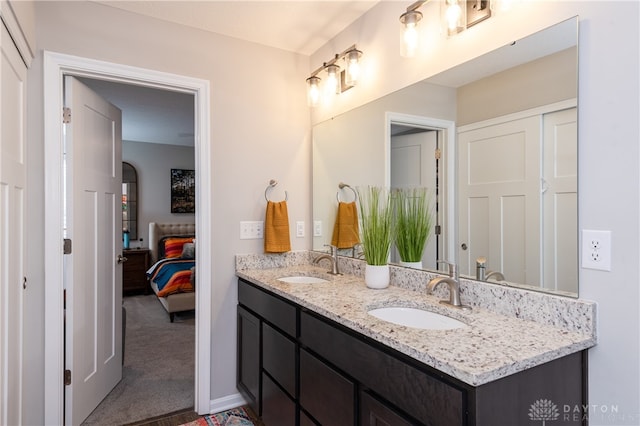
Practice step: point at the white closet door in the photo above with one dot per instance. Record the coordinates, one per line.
(13, 180)
(499, 199)
(560, 201)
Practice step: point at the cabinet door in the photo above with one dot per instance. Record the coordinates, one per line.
(324, 393)
(277, 408)
(248, 362)
(375, 413)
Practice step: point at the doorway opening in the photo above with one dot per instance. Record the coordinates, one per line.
(55, 67)
(158, 348)
(442, 142)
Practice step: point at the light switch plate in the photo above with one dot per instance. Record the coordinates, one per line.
(317, 228)
(251, 230)
(300, 229)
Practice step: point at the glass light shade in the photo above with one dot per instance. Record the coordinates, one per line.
(332, 84)
(313, 91)
(409, 34)
(453, 16)
(352, 59)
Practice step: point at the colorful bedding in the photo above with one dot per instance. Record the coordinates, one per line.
(172, 276)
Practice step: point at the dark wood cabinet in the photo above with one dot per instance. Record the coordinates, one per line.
(327, 374)
(134, 271)
(248, 370)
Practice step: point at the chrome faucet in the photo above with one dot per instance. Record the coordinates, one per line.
(454, 286)
(481, 271)
(333, 258)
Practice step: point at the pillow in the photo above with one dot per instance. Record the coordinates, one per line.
(173, 247)
(188, 251)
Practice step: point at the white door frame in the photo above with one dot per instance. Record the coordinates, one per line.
(55, 66)
(449, 176)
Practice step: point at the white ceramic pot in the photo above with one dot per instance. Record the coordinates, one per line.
(376, 276)
(414, 265)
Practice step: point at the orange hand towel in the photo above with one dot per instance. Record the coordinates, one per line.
(276, 228)
(345, 230)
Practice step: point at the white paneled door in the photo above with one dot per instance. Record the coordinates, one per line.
(13, 181)
(93, 271)
(413, 165)
(499, 198)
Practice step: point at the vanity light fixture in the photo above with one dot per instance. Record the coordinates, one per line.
(457, 15)
(336, 81)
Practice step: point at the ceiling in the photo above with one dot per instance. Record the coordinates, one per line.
(300, 26)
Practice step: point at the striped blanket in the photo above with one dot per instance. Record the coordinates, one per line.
(172, 276)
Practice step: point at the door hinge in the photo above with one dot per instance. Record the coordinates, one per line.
(66, 115)
(66, 246)
(67, 377)
(438, 230)
(438, 153)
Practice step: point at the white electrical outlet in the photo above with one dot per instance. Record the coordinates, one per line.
(250, 230)
(300, 229)
(317, 228)
(596, 250)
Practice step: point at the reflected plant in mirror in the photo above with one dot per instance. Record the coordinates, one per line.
(414, 224)
(506, 167)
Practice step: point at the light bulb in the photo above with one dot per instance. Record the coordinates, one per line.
(332, 85)
(453, 15)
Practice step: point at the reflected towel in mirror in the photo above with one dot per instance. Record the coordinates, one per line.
(276, 228)
(345, 230)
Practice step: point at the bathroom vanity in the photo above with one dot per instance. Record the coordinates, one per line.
(311, 354)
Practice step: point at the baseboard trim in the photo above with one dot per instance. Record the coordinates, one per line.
(225, 403)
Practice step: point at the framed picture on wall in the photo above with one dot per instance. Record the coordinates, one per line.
(183, 191)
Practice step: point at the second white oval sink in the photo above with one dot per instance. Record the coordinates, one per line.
(416, 318)
(302, 280)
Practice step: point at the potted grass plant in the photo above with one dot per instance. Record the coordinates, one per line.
(376, 216)
(414, 224)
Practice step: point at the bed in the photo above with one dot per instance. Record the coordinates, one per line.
(172, 276)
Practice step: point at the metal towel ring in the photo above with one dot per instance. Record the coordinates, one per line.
(273, 183)
(343, 185)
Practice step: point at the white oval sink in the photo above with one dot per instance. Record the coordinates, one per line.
(416, 318)
(302, 280)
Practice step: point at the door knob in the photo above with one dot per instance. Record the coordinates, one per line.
(121, 259)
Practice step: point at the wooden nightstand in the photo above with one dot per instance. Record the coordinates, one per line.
(134, 279)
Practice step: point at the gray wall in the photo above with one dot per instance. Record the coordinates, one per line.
(154, 162)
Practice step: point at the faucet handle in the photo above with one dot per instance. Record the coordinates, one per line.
(453, 269)
(332, 249)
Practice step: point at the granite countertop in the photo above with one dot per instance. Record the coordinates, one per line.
(492, 345)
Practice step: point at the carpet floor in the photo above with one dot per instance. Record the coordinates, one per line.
(159, 365)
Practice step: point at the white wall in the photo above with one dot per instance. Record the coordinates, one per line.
(608, 97)
(153, 162)
(258, 132)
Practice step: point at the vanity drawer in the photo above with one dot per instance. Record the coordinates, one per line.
(417, 393)
(279, 358)
(268, 307)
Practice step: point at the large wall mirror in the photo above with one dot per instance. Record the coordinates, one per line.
(130, 200)
(495, 141)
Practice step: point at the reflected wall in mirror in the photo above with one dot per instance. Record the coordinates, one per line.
(493, 174)
(130, 200)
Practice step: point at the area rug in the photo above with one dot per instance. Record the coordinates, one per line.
(234, 417)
